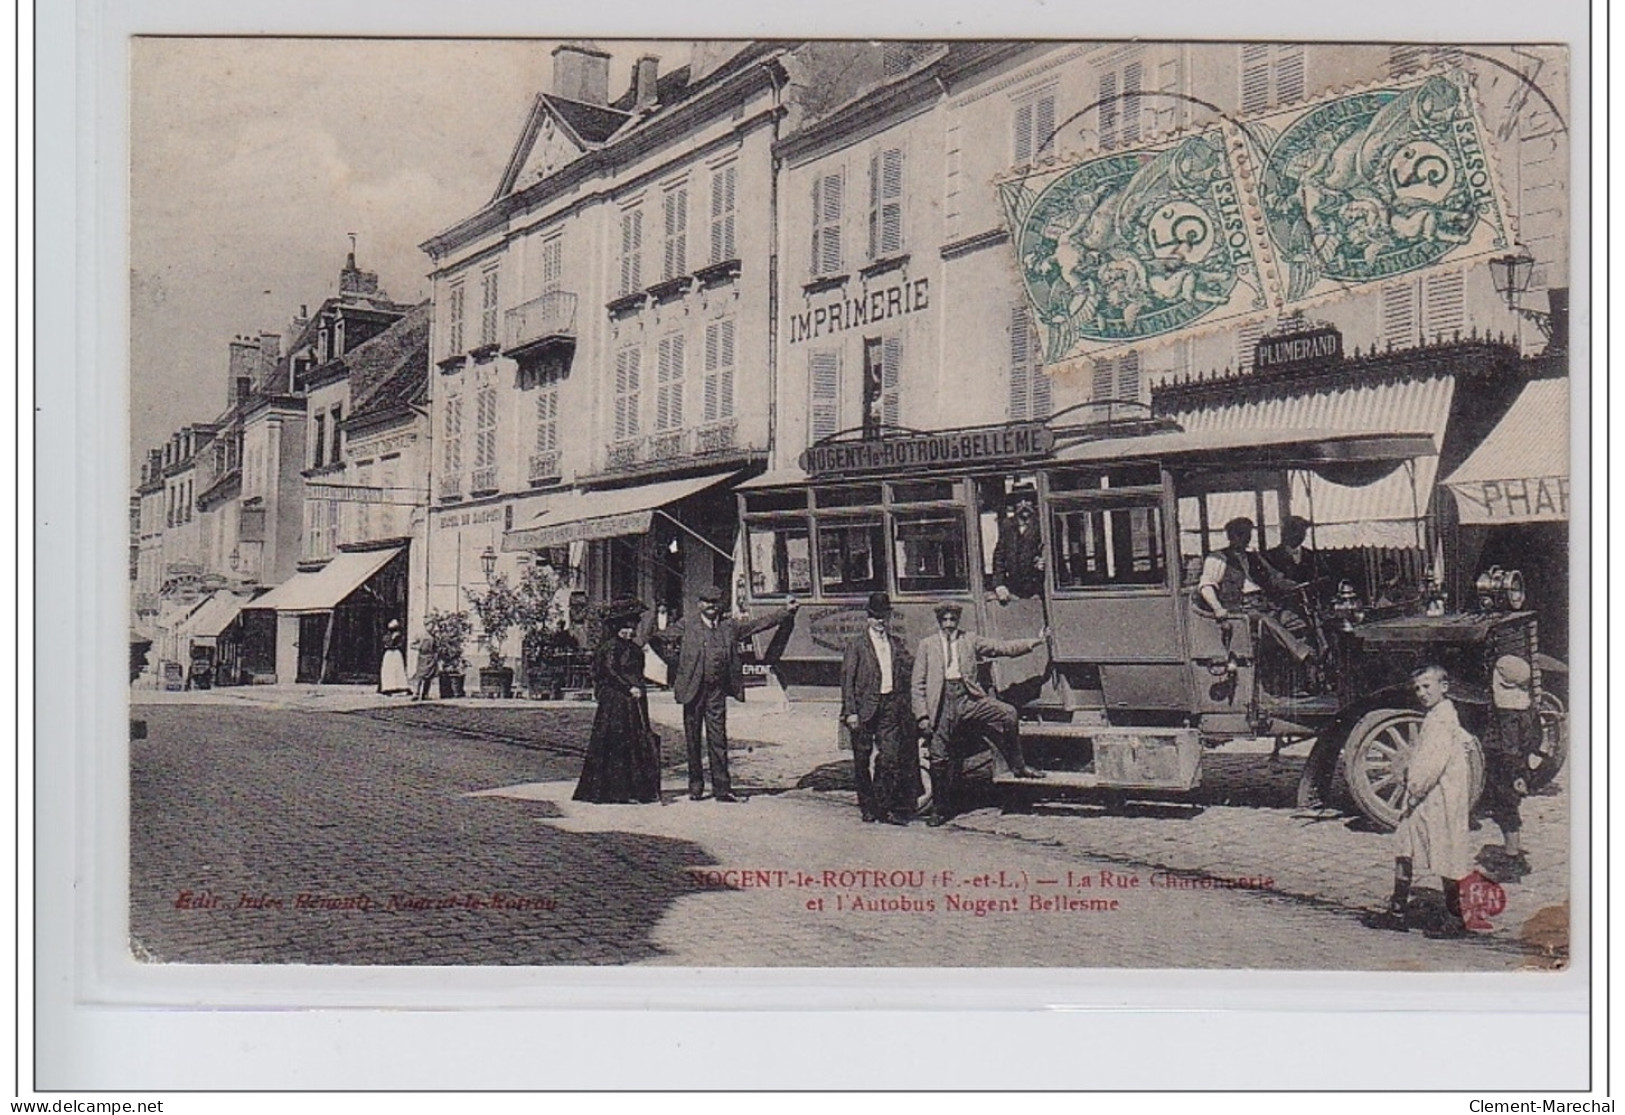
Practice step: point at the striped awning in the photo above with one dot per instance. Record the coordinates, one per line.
(578, 516)
(213, 617)
(325, 589)
(1388, 513)
(1520, 473)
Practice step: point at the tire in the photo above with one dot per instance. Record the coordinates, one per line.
(1554, 740)
(1372, 758)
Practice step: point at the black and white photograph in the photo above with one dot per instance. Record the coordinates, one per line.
(810, 503)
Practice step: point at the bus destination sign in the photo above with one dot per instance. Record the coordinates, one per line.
(983, 445)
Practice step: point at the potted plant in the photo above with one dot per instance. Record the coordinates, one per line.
(537, 619)
(449, 632)
(499, 608)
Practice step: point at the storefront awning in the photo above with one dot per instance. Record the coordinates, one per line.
(1520, 474)
(214, 616)
(1386, 513)
(588, 516)
(325, 589)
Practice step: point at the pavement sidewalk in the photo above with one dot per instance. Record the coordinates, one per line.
(1240, 823)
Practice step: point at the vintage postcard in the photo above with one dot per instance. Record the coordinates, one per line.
(821, 503)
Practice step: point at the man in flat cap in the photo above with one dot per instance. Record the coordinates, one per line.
(947, 697)
(875, 675)
(705, 648)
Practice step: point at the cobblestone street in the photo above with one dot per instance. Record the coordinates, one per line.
(444, 833)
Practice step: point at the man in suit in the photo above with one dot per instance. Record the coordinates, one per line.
(947, 697)
(705, 646)
(1018, 557)
(875, 674)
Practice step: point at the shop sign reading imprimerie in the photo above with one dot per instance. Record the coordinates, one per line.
(986, 445)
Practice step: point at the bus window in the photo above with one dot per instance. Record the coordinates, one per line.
(780, 558)
(1107, 546)
(851, 556)
(931, 551)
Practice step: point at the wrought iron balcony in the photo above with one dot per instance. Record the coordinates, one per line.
(624, 453)
(717, 437)
(540, 325)
(450, 487)
(484, 481)
(668, 445)
(544, 467)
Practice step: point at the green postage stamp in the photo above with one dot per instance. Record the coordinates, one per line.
(1251, 218)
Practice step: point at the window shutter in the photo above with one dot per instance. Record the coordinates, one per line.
(1131, 103)
(1022, 134)
(454, 323)
(1255, 77)
(1444, 311)
(547, 414)
(631, 250)
(1399, 314)
(829, 257)
(1108, 111)
(1020, 372)
(669, 384)
(818, 225)
(825, 373)
(725, 392)
(1128, 376)
(488, 307)
(1246, 341)
(712, 342)
(891, 370)
(1100, 386)
(874, 206)
(1044, 124)
(676, 244)
(1288, 74)
(722, 213)
(891, 201)
(552, 264)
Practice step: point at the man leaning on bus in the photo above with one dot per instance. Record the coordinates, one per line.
(947, 696)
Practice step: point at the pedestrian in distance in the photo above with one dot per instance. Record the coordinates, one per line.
(875, 676)
(704, 650)
(947, 698)
(623, 753)
(428, 667)
(1433, 825)
(392, 669)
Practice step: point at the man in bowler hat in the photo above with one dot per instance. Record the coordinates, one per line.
(875, 674)
(705, 648)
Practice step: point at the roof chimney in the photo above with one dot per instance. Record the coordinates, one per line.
(648, 70)
(581, 73)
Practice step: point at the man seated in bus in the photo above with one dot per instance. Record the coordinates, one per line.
(1018, 558)
(1292, 559)
(1238, 580)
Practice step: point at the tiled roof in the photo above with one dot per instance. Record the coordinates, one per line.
(392, 368)
(593, 123)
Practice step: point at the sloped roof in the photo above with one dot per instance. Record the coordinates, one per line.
(391, 369)
(592, 123)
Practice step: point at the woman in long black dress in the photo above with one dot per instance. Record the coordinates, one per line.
(623, 760)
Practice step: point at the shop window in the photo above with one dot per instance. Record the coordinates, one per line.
(1105, 547)
(930, 553)
(724, 187)
(827, 195)
(780, 558)
(675, 244)
(851, 557)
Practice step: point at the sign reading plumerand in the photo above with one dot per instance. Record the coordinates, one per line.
(1308, 348)
(992, 444)
(873, 306)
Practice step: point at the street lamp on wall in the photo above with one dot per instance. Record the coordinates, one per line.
(236, 558)
(1511, 274)
(488, 562)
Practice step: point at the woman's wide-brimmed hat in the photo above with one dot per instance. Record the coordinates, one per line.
(623, 608)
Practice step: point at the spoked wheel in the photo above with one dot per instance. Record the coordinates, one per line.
(1374, 759)
(1554, 740)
